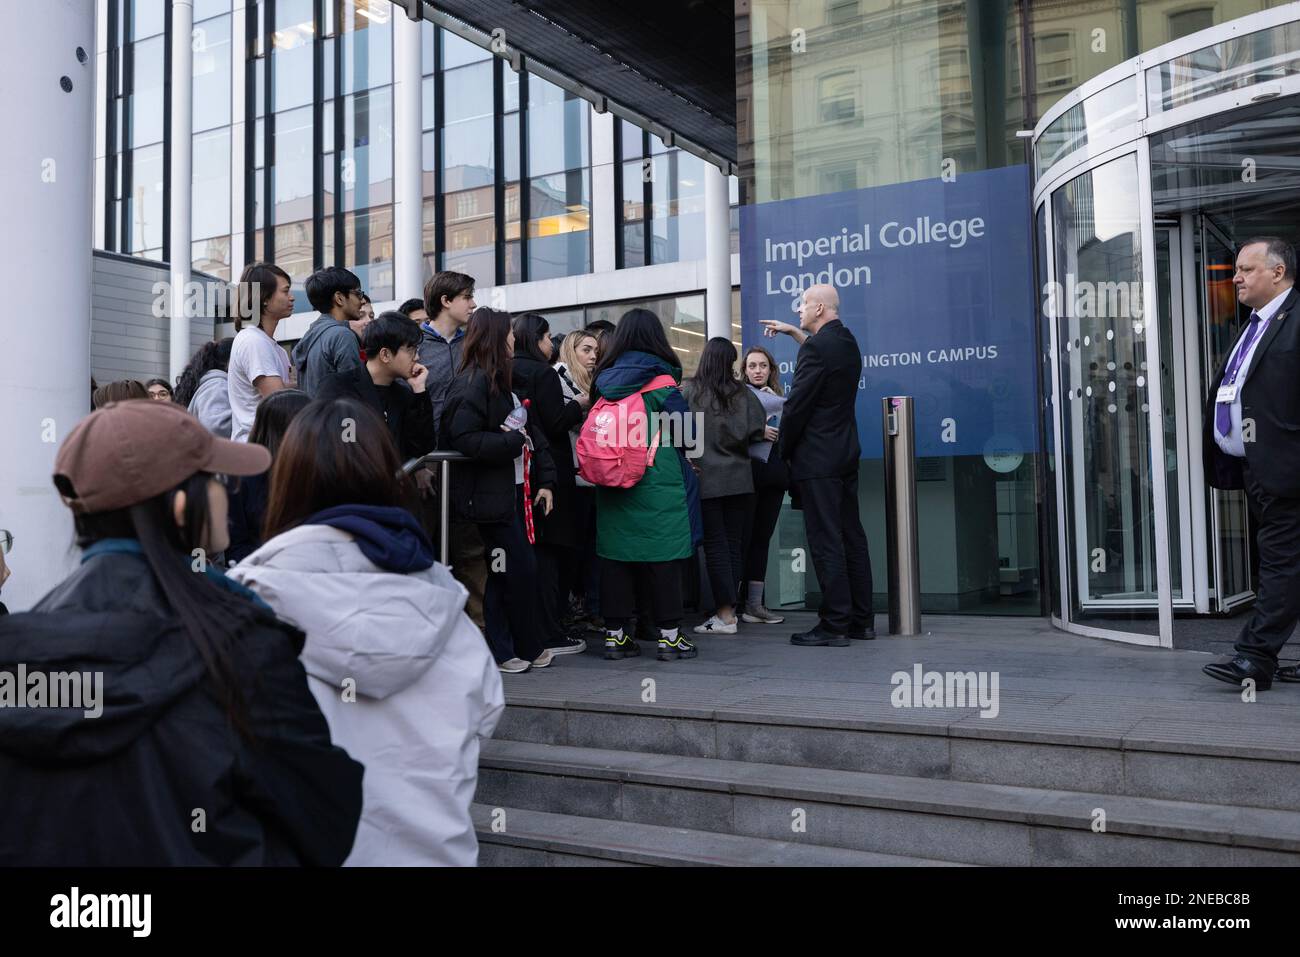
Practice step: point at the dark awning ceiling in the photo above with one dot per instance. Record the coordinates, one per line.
(671, 61)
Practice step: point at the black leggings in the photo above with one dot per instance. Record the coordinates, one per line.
(758, 531)
(618, 591)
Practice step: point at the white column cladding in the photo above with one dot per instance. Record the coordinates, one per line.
(238, 130)
(181, 152)
(408, 191)
(717, 253)
(604, 167)
(47, 167)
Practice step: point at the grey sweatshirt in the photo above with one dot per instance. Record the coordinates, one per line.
(329, 346)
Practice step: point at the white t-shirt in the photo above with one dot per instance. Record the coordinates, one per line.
(253, 355)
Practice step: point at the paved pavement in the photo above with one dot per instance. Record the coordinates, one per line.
(1052, 686)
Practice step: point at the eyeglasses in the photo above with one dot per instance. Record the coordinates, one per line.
(6, 541)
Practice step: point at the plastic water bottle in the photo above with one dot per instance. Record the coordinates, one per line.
(518, 417)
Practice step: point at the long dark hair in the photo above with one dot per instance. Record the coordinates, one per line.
(638, 330)
(715, 376)
(212, 618)
(336, 452)
(211, 355)
(485, 347)
(274, 413)
(529, 328)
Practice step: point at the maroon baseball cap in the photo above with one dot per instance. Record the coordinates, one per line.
(129, 452)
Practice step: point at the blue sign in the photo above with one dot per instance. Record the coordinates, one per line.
(936, 283)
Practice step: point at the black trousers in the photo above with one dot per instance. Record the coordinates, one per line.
(839, 552)
(758, 531)
(1277, 596)
(659, 583)
(552, 589)
(724, 543)
(512, 611)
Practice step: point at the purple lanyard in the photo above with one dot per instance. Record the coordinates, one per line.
(1234, 367)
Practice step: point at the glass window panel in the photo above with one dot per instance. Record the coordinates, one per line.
(427, 104)
(557, 129)
(426, 47)
(1260, 57)
(327, 126)
(368, 249)
(293, 254)
(259, 83)
(148, 17)
(559, 227)
(471, 233)
(291, 174)
(457, 52)
(1104, 112)
(511, 215)
(631, 137)
(146, 201)
(677, 218)
(210, 197)
(467, 93)
(510, 146)
(427, 164)
(212, 256)
(259, 144)
(367, 40)
(467, 154)
(368, 149)
(292, 73)
(212, 74)
(510, 89)
(147, 100)
(210, 8)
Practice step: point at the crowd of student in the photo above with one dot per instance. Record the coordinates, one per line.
(258, 582)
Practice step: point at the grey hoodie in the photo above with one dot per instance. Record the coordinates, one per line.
(329, 346)
(211, 403)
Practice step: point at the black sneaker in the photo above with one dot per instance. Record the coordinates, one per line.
(670, 649)
(620, 646)
(569, 646)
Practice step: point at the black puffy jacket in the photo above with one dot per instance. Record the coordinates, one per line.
(483, 489)
(161, 777)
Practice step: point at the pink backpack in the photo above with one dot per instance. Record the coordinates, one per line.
(613, 450)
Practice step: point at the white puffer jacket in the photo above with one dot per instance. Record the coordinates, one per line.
(404, 679)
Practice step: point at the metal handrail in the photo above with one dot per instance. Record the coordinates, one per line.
(444, 460)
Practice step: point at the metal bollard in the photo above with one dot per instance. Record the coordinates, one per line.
(444, 503)
(900, 516)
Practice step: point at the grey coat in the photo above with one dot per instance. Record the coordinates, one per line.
(211, 403)
(329, 346)
(725, 439)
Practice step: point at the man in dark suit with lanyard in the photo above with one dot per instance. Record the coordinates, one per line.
(1252, 441)
(819, 439)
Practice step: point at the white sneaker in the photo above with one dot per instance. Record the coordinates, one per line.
(544, 659)
(716, 626)
(515, 666)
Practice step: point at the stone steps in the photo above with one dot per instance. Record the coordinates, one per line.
(539, 839)
(901, 815)
(1171, 760)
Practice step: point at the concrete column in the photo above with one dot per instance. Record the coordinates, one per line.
(181, 151)
(408, 193)
(604, 168)
(717, 253)
(238, 131)
(47, 167)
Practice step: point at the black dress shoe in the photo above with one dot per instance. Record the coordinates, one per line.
(1289, 673)
(865, 634)
(818, 637)
(1240, 669)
